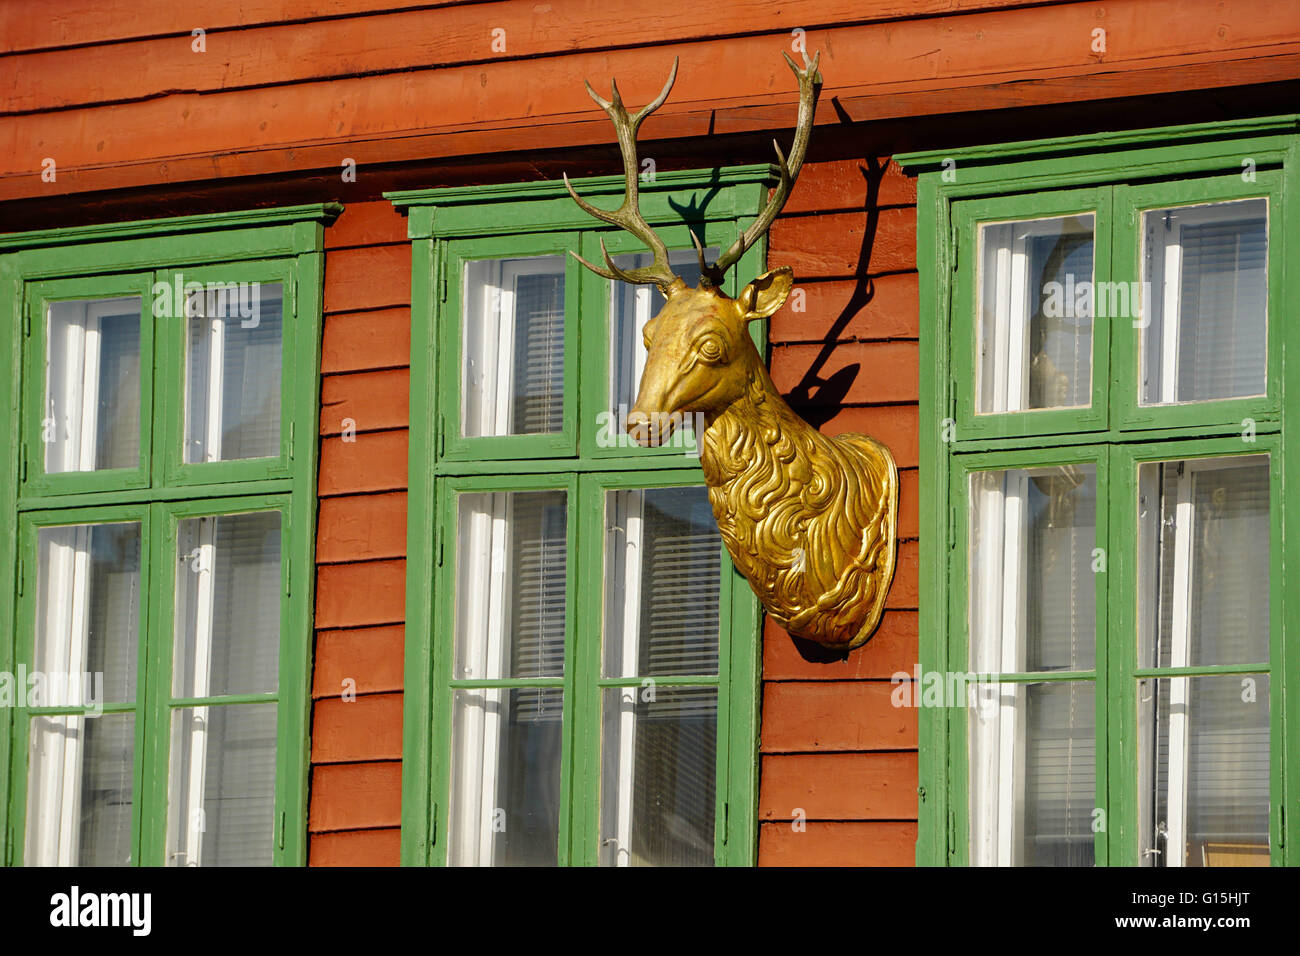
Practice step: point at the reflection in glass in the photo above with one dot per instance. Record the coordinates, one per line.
(87, 613)
(505, 777)
(1205, 322)
(512, 375)
(233, 369)
(221, 802)
(1032, 585)
(1203, 778)
(662, 576)
(228, 589)
(91, 417)
(658, 776)
(1032, 774)
(1203, 562)
(80, 790)
(1035, 315)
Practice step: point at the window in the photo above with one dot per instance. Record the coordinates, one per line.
(1108, 322)
(156, 684)
(592, 656)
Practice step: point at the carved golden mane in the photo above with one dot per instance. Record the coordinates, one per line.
(809, 520)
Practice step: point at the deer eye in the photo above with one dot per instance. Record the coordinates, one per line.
(711, 349)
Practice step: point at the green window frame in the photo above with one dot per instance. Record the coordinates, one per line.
(161, 490)
(451, 227)
(1114, 177)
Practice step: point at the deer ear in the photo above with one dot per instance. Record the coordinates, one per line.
(762, 297)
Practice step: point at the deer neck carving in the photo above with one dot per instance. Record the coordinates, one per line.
(809, 520)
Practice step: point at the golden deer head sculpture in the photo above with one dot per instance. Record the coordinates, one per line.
(809, 520)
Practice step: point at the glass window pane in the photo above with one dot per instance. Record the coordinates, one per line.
(1205, 321)
(513, 347)
(221, 806)
(87, 614)
(232, 395)
(1032, 774)
(1203, 562)
(1035, 305)
(663, 559)
(511, 572)
(1032, 587)
(658, 776)
(91, 418)
(631, 307)
(1204, 770)
(228, 591)
(80, 773)
(505, 777)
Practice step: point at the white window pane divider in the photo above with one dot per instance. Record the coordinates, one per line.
(999, 735)
(486, 622)
(190, 848)
(626, 564)
(1171, 312)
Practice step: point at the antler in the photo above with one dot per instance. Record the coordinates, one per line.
(628, 215)
(810, 82)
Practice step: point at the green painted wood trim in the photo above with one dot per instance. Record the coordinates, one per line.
(177, 225)
(924, 161)
(1110, 161)
(436, 477)
(295, 236)
(937, 414)
(11, 311)
(422, 514)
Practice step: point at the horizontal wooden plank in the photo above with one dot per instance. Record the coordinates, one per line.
(909, 510)
(86, 22)
(418, 39)
(893, 649)
(372, 658)
(357, 848)
(799, 787)
(856, 373)
(367, 729)
(840, 310)
(894, 425)
(361, 341)
(845, 244)
(874, 843)
(365, 401)
(373, 277)
(905, 592)
(906, 67)
(361, 528)
(82, 22)
(361, 595)
(366, 224)
(355, 796)
(841, 185)
(178, 172)
(810, 716)
(376, 461)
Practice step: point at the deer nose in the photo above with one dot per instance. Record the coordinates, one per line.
(638, 426)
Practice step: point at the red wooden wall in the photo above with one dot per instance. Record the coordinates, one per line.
(832, 745)
(356, 754)
(141, 125)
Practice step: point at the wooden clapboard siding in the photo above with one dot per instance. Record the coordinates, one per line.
(415, 81)
(839, 761)
(356, 755)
